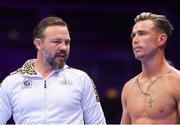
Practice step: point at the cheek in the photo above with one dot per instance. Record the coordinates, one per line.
(152, 44)
(49, 52)
(148, 42)
(69, 49)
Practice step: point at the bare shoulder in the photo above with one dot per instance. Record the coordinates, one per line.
(128, 86)
(130, 82)
(173, 80)
(174, 76)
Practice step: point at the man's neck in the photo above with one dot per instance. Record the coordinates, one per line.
(155, 67)
(41, 68)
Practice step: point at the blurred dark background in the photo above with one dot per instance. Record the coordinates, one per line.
(101, 43)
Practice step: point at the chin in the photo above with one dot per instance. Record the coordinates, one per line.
(140, 58)
(58, 65)
(137, 56)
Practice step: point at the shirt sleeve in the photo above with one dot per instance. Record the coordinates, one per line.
(5, 107)
(92, 110)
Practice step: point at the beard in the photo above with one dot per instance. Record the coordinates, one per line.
(56, 65)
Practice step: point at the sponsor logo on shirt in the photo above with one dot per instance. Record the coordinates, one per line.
(65, 82)
(27, 84)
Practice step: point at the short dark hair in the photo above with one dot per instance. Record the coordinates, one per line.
(43, 24)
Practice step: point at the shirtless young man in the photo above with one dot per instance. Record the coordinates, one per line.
(153, 96)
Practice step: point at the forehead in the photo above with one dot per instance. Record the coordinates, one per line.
(57, 31)
(143, 25)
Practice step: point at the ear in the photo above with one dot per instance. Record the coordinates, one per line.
(37, 43)
(162, 39)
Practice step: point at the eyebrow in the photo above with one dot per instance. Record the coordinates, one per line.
(138, 31)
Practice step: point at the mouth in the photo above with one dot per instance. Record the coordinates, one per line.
(137, 49)
(61, 55)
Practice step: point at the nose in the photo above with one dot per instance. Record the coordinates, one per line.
(62, 45)
(135, 39)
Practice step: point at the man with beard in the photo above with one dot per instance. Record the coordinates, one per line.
(45, 90)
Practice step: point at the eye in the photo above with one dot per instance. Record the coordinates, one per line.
(133, 35)
(67, 42)
(140, 33)
(57, 41)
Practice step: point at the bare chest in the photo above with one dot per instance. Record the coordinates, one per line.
(156, 103)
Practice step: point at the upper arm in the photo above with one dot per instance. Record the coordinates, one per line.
(175, 89)
(177, 95)
(92, 110)
(125, 119)
(5, 109)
